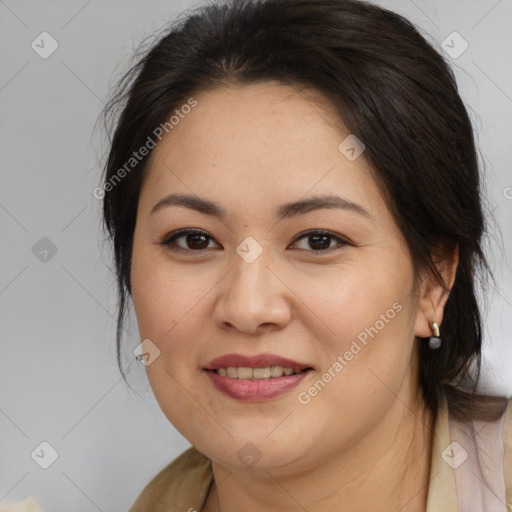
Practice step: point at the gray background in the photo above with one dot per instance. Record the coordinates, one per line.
(58, 377)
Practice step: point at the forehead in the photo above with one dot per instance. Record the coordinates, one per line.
(258, 112)
(258, 143)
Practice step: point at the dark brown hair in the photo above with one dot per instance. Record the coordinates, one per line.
(391, 89)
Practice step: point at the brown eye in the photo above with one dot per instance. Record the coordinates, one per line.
(188, 240)
(196, 241)
(319, 241)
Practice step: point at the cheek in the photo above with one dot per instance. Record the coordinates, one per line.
(355, 300)
(170, 312)
(161, 292)
(366, 331)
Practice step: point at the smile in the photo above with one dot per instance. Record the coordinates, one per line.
(255, 378)
(245, 373)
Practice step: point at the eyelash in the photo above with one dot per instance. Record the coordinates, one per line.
(171, 238)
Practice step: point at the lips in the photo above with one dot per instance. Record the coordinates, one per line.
(236, 382)
(257, 361)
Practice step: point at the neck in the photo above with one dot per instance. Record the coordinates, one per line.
(388, 470)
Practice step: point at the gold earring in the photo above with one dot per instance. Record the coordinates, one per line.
(434, 342)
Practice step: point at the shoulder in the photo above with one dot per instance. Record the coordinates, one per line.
(476, 452)
(181, 485)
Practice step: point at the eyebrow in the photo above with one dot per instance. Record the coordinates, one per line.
(285, 210)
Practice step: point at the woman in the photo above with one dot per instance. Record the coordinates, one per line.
(293, 197)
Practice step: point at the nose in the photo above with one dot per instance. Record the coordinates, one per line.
(253, 298)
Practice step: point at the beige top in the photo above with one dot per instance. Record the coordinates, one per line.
(464, 457)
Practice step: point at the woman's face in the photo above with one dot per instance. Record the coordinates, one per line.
(257, 280)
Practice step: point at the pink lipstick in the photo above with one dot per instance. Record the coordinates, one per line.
(255, 378)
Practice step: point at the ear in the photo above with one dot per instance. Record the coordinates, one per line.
(433, 295)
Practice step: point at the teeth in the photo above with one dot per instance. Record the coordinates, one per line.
(255, 373)
(259, 373)
(276, 371)
(243, 373)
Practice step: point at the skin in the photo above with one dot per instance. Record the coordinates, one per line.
(364, 441)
